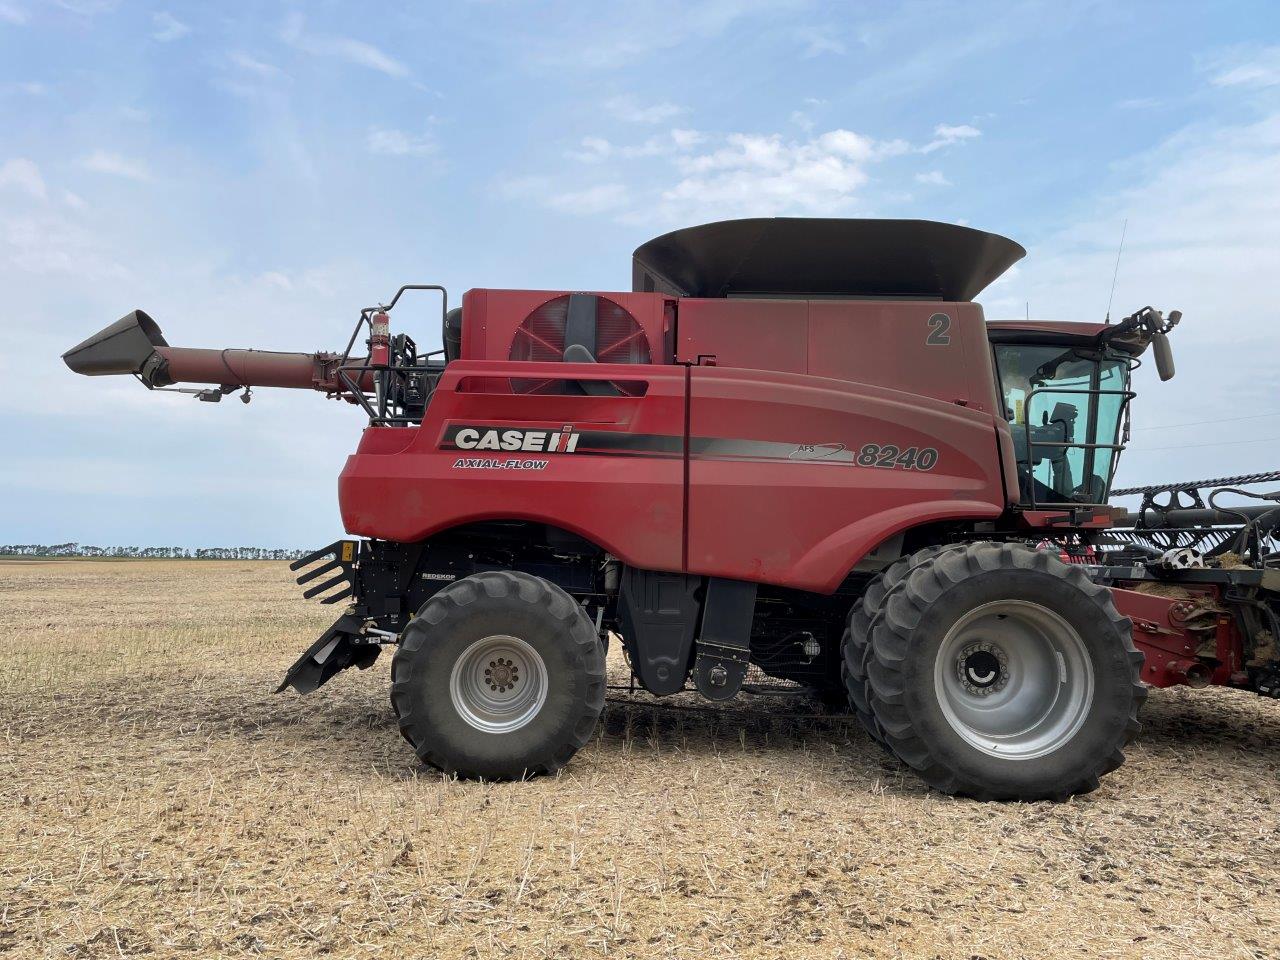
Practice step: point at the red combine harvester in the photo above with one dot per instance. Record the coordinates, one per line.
(794, 458)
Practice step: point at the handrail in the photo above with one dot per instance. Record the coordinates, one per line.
(1116, 448)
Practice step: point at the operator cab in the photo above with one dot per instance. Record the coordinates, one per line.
(1065, 407)
(1065, 389)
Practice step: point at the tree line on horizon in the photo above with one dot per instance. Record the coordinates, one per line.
(150, 553)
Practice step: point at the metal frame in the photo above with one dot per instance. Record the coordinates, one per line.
(1091, 430)
(352, 375)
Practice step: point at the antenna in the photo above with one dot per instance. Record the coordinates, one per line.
(1116, 273)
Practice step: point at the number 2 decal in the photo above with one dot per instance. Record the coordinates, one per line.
(939, 331)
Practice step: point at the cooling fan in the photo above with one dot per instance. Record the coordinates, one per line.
(579, 328)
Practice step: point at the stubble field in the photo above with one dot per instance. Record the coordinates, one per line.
(157, 799)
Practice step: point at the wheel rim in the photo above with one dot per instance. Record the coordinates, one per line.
(498, 684)
(1014, 679)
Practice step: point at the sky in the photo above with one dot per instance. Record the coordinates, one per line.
(252, 174)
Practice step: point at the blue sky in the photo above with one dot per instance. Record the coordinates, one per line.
(252, 174)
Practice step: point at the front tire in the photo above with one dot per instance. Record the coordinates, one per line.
(500, 676)
(998, 672)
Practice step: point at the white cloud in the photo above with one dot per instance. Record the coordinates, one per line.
(819, 40)
(253, 65)
(623, 35)
(341, 48)
(598, 149)
(48, 244)
(933, 178)
(629, 109)
(12, 13)
(685, 139)
(802, 120)
(766, 175)
(1139, 103)
(594, 150)
(252, 78)
(102, 161)
(656, 146)
(1258, 68)
(87, 8)
(735, 175)
(603, 198)
(397, 143)
(944, 135)
(751, 174)
(74, 200)
(168, 27)
(273, 278)
(23, 175)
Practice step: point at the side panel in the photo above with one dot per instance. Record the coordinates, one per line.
(776, 492)
(747, 334)
(620, 483)
(937, 350)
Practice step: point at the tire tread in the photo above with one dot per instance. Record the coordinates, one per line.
(499, 584)
(887, 640)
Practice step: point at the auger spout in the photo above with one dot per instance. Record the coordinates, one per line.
(134, 346)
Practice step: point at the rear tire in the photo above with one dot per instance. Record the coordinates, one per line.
(1001, 673)
(855, 647)
(499, 676)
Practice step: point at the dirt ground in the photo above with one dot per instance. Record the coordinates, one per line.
(157, 799)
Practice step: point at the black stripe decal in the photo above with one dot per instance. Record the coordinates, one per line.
(671, 446)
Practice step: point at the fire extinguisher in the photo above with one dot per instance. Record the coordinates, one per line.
(379, 340)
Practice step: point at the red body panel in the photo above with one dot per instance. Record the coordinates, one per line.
(408, 489)
(886, 343)
(905, 346)
(797, 517)
(748, 334)
(744, 469)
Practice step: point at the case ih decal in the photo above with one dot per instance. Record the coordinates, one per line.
(564, 440)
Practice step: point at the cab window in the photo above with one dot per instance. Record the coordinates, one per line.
(1065, 409)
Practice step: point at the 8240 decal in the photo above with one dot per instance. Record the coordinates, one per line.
(887, 456)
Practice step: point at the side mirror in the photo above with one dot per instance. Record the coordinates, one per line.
(1163, 353)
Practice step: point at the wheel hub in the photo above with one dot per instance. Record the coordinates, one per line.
(498, 684)
(502, 674)
(982, 668)
(1014, 679)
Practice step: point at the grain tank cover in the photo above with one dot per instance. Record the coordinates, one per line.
(824, 257)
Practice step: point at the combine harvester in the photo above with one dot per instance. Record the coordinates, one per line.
(793, 457)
